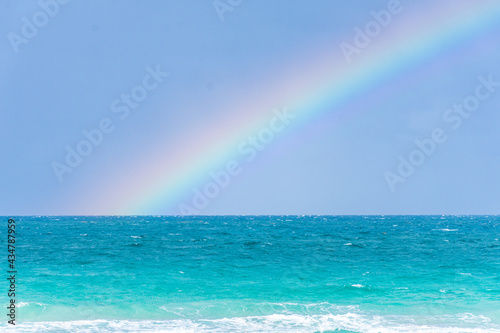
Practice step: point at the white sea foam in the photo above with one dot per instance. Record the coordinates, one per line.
(351, 321)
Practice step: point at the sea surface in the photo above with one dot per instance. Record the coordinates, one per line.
(255, 274)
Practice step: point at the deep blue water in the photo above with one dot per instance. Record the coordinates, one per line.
(257, 274)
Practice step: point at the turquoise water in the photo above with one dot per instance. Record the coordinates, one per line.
(257, 274)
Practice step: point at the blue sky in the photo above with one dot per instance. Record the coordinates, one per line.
(64, 78)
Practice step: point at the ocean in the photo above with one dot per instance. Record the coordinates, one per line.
(254, 274)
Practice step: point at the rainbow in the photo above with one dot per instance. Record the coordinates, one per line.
(326, 82)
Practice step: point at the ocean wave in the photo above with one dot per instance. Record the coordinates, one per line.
(30, 304)
(346, 322)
